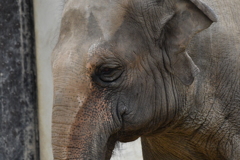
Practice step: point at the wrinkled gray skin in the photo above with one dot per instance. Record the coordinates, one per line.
(162, 70)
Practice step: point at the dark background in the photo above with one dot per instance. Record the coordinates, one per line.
(18, 91)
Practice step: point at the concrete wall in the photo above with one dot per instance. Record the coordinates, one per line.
(18, 104)
(47, 20)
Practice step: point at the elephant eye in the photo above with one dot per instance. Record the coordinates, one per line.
(109, 73)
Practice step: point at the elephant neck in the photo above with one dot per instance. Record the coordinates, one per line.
(179, 145)
(168, 147)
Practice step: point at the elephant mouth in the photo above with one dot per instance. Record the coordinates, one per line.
(121, 110)
(124, 135)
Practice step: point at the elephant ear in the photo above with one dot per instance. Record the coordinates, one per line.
(191, 17)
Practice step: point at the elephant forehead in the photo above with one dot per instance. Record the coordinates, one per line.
(109, 14)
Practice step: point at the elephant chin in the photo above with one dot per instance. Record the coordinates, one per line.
(90, 136)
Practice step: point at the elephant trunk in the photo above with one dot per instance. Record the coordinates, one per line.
(90, 135)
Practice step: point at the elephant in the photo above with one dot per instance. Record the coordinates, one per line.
(167, 71)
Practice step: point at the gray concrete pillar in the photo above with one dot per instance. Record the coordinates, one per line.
(18, 98)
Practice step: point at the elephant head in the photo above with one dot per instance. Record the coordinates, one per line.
(120, 69)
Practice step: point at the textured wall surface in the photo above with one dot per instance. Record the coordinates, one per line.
(18, 107)
(47, 19)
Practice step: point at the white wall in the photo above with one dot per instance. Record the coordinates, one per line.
(46, 30)
(47, 20)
